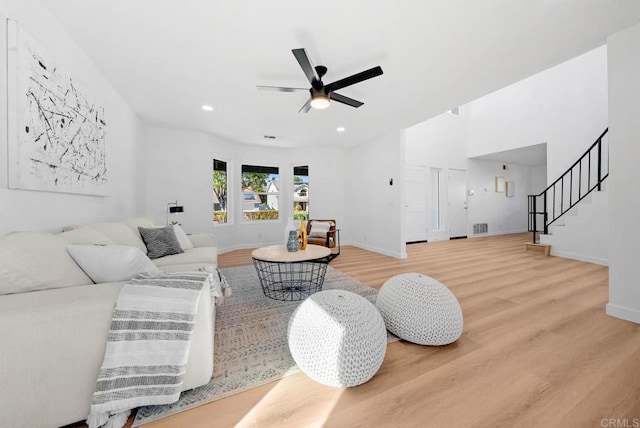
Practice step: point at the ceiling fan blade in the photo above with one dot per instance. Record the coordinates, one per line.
(306, 64)
(280, 88)
(345, 100)
(356, 78)
(306, 107)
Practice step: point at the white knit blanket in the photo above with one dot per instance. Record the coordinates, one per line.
(147, 347)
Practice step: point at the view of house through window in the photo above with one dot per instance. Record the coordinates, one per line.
(220, 213)
(301, 192)
(260, 186)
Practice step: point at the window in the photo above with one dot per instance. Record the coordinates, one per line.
(301, 192)
(220, 213)
(260, 186)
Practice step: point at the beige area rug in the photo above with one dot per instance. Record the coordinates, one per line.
(250, 347)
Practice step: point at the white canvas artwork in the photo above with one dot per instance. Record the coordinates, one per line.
(56, 135)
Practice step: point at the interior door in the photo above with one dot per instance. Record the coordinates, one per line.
(415, 191)
(457, 203)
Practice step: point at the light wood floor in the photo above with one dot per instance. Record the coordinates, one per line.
(537, 351)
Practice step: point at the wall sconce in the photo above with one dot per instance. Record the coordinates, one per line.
(172, 208)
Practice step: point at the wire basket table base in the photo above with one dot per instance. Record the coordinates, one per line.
(291, 280)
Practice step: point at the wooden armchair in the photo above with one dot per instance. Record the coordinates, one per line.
(325, 233)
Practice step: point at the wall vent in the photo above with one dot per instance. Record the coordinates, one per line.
(479, 228)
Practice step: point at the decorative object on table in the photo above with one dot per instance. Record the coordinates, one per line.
(337, 338)
(57, 136)
(287, 230)
(292, 242)
(173, 208)
(302, 235)
(419, 309)
(246, 354)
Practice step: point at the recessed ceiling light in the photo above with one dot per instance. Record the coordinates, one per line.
(207, 108)
(340, 129)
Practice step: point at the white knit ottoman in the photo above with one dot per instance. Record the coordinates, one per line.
(337, 338)
(420, 309)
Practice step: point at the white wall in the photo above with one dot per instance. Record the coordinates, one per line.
(30, 210)
(373, 207)
(624, 152)
(441, 143)
(565, 106)
(538, 179)
(180, 164)
(502, 214)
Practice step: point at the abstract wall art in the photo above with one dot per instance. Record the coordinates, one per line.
(57, 136)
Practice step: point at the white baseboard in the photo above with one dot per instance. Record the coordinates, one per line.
(581, 257)
(397, 255)
(623, 312)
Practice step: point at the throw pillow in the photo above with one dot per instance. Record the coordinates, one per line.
(111, 263)
(85, 235)
(160, 241)
(183, 239)
(319, 229)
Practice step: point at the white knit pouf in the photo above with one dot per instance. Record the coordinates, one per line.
(337, 338)
(420, 309)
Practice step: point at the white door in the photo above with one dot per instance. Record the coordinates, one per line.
(457, 203)
(415, 193)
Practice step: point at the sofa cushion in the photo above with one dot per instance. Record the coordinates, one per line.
(160, 241)
(119, 233)
(135, 222)
(319, 229)
(85, 235)
(183, 239)
(190, 259)
(32, 261)
(111, 263)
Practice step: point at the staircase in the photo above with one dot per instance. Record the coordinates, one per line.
(571, 215)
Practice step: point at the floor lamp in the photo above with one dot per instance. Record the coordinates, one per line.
(172, 208)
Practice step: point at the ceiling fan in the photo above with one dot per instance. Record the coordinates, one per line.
(321, 94)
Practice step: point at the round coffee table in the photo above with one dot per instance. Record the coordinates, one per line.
(288, 275)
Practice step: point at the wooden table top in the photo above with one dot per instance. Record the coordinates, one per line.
(279, 253)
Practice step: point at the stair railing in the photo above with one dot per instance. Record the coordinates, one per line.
(583, 177)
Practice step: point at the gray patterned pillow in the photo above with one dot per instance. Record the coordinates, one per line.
(160, 241)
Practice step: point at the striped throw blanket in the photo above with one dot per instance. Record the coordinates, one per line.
(147, 347)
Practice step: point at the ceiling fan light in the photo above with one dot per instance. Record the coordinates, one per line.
(320, 101)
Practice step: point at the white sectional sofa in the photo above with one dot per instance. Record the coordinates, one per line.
(54, 321)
